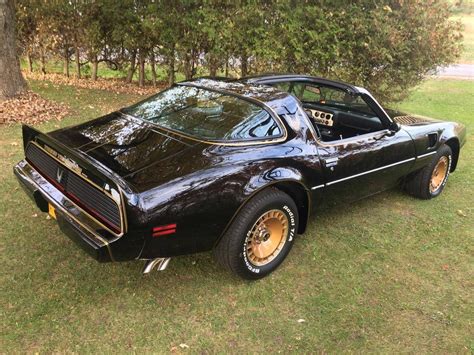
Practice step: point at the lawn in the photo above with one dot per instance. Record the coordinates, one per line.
(387, 274)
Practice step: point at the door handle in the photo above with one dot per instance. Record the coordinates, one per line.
(330, 162)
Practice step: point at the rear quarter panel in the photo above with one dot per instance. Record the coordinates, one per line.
(204, 203)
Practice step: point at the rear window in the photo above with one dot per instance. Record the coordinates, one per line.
(206, 114)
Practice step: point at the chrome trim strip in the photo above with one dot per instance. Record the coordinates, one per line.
(369, 171)
(425, 155)
(352, 139)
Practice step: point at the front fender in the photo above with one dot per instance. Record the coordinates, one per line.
(454, 135)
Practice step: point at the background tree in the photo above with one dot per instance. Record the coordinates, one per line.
(27, 29)
(386, 45)
(11, 80)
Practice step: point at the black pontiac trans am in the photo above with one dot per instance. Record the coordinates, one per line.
(233, 166)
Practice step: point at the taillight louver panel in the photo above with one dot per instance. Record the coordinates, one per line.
(93, 198)
(95, 202)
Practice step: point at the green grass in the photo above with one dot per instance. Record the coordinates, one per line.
(387, 274)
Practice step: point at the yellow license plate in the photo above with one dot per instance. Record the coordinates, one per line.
(51, 211)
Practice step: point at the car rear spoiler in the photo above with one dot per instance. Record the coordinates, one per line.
(85, 161)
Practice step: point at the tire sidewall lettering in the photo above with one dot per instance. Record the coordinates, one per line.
(292, 221)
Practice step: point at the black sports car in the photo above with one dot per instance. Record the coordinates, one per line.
(233, 166)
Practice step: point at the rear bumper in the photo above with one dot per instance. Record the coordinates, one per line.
(73, 222)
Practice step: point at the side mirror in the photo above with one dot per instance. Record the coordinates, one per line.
(395, 127)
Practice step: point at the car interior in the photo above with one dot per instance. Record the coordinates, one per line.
(335, 113)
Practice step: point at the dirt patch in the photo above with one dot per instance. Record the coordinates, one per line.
(30, 108)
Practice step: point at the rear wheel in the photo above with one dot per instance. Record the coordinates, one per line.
(429, 182)
(261, 235)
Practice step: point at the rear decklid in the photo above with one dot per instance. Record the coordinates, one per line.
(123, 144)
(89, 184)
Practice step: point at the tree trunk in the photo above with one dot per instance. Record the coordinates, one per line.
(95, 67)
(11, 79)
(213, 66)
(188, 70)
(141, 68)
(171, 72)
(243, 65)
(78, 62)
(42, 61)
(66, 62)
(30, 61)
(131, 70)
(227, 66)
(153, 68)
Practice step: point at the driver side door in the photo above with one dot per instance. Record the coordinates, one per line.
(361, 166)
(358, 166)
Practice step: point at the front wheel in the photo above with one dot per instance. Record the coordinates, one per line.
(429, 182)
(261, 235)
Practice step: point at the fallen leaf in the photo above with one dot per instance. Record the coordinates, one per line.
(30, 108)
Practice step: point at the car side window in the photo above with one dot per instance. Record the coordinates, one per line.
(207, 114)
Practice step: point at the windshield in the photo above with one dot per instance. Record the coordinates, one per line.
(206, 114)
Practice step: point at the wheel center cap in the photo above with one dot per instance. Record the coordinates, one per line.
(266, 235)
(263, 235)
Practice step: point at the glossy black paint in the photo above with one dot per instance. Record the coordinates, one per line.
(168, 178)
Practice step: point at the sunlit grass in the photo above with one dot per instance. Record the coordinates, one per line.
(387, 274)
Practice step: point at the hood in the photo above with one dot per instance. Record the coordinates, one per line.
(408, 119)
(136, 150)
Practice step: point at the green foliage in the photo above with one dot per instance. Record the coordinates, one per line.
(387, 45)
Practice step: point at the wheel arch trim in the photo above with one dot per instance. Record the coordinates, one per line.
(453, 143)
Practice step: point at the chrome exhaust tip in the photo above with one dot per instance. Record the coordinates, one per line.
(159, 263)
